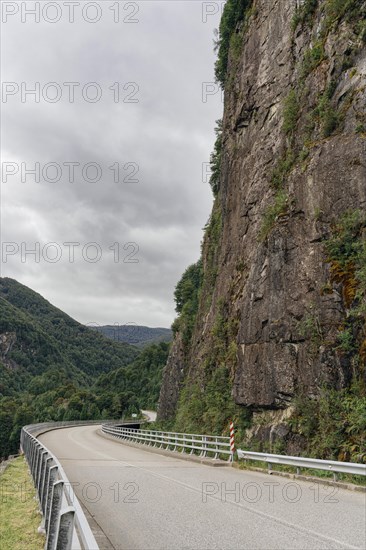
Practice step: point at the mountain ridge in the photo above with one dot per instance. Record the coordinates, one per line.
(136, 335)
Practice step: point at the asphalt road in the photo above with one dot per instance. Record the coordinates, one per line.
(146, 501)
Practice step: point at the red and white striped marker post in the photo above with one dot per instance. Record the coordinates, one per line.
(232, 441)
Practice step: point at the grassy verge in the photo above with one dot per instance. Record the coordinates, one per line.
(18, 510)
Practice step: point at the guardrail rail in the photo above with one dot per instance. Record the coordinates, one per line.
(298, 462)
(206, 445)
(63, 519)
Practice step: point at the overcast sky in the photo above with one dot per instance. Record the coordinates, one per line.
(133, 142)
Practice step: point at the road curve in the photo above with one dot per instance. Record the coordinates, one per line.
(146, 501)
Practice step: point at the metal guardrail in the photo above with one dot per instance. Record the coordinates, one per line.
(63, 519)
(333, 466)
(205, 444)
(38, 429)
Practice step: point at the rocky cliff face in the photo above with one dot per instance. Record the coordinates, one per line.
(293, 162)
(7, 341)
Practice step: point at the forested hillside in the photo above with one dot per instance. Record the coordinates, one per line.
(53, 368)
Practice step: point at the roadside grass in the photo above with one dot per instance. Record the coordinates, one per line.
(19, 516)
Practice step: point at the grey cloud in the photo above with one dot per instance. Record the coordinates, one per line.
(169, 133)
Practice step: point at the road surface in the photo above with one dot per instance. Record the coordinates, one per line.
(146, 501)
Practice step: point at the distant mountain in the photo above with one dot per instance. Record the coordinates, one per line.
(53, 368)
(136, 335)
(35, 336)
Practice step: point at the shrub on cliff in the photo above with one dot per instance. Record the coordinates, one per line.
(234, 12)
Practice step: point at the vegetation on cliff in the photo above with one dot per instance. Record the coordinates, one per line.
(333, 425)
(346, 250)
(233, 14)
(316, 82)
(186, 297)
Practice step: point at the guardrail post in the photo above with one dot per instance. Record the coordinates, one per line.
(191, 445)
(42, 496)
(40, 473)
(52, 478)
(65, 529)
(269, 467)
(36, 463)
(56, 501)
(216, 449)
(32, 451)
(204, 445)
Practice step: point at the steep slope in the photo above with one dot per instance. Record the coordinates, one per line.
(53, 368)
(36, 335)
(49, 364)
(280, 319)
(27, 350)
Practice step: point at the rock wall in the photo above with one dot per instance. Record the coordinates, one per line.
(281, 191)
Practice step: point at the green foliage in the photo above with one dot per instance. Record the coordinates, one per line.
(209, 408)
(55, 369)
(186, 298)
(188, 286)
(190, 409)
(312, 58)
(334, 424)
(304, 14)
(336, 10)
(326, 114)
(346, 249)
(215, 160)
(223, 350)
(290, 112)
(282, 169)
(278, 208)
(213, 232)
(45, 337)
(361, 29)
(236, 45)
(234, 12)
(346, 244)
(207, 405)
(346, 341)
(310, 328)
(138, 383)
(52, 396)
